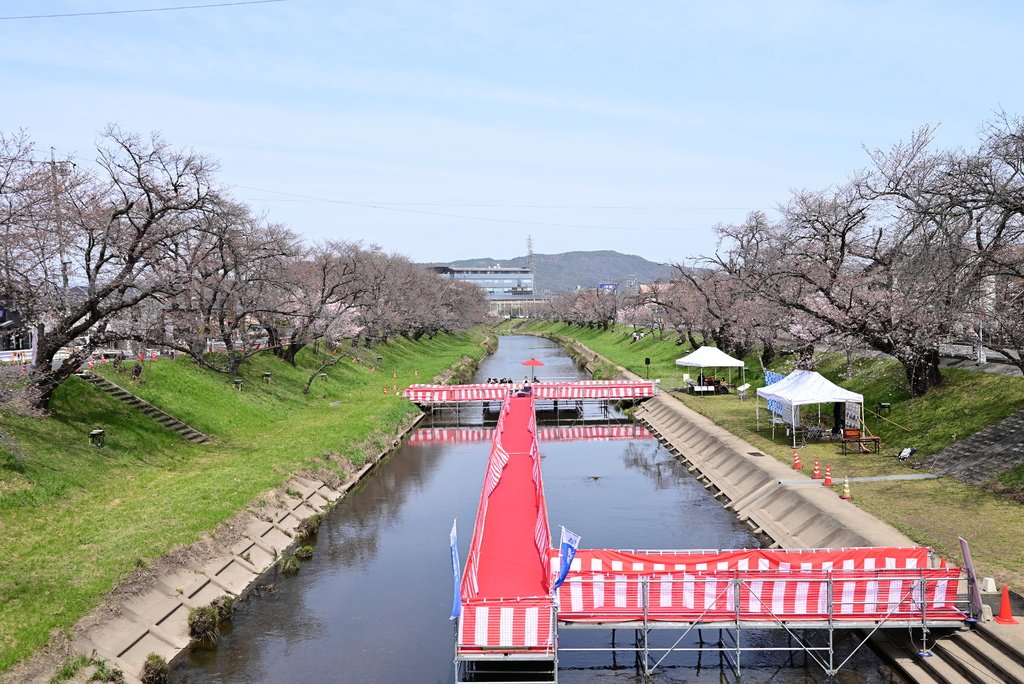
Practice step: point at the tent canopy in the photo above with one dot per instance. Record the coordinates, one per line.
(709, 357)
(803, 387)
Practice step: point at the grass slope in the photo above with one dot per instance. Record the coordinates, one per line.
(932, 512)
(75, 519)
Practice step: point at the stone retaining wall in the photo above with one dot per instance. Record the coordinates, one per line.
(790, 508)
(155, 620)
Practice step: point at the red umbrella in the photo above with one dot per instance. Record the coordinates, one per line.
(533, 363)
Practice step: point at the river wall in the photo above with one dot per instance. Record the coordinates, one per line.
(791, 509)
(136, 622)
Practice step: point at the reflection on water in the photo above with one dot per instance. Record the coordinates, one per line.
(373, 603)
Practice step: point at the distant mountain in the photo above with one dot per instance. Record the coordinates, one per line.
(565, 272)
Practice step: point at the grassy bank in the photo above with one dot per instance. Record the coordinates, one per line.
(75, 519)
(932, 512)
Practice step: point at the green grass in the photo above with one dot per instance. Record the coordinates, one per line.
(932, 512)
(75, 519)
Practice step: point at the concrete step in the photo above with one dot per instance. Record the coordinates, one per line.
(975, 649)
(170, 422)
(952, 653)
(904, 660)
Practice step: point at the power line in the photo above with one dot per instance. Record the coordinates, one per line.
(384, 207)
(139, 11)
(626, 207)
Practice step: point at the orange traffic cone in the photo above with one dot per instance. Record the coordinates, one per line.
(797, 465)
(1005, 616)
(828, 477)
(394, 388)
(816, 475)
(846, 490)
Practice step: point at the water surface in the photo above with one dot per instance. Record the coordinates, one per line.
(373, 603)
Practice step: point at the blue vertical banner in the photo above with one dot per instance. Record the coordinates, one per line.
(774, 405)
(457, 600)
(566, 552)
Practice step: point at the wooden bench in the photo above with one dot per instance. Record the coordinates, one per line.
(855, 436)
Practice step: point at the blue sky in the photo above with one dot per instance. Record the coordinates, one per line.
(449, 130)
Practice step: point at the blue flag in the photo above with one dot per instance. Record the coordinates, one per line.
(457, 600)
(566, 552)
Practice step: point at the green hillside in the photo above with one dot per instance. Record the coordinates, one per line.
(565, 272)
(76, 519)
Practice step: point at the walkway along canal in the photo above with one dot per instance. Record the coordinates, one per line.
(372, 605)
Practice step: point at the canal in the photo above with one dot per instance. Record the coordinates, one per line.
(372, 605)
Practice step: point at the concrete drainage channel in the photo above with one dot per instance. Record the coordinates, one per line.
(155, 621)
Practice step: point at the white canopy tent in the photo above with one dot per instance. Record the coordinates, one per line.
(801, 388)
(710, 357)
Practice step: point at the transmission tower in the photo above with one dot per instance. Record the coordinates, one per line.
(530, 261)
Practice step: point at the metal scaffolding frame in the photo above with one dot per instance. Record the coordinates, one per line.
(650, 658)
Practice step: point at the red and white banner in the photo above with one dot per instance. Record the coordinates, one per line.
(522, 625)
(544, 434)
(864, 584)
(588, 389)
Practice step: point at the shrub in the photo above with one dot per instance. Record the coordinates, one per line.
(304, 552)
(155, 670)
(202, 624)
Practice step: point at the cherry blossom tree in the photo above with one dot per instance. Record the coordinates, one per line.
(81, 247)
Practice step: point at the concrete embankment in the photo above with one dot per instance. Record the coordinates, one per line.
(793, 510)
(154, 618)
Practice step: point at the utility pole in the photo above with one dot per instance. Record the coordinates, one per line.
(55, 190)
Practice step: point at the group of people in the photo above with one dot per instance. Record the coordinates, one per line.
(505, 381)
(515, 389)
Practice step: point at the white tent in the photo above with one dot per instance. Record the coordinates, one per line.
(709, 357)
(800, 388)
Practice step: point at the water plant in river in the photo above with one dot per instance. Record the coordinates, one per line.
(309, 527)
(155, 670)
(202, 624)
(304, 552)
(224, 605)
(288, 565)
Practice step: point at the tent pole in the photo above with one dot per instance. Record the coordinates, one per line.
(792, 422)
